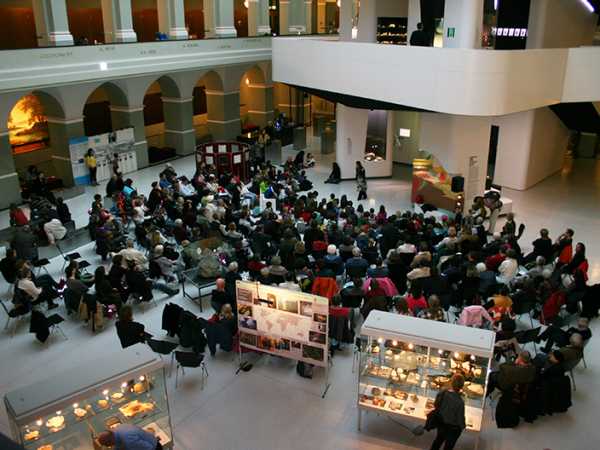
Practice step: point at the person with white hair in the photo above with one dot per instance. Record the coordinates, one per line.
(130, 253)
(231, 277)
(168, 267)
(333, 260)
(487, 279)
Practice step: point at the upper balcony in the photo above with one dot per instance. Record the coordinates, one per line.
(50, 66)
(453, 81)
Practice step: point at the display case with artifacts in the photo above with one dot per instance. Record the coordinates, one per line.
(69, 410)
(406, 361)
(392, 30)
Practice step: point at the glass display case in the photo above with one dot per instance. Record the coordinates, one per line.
(69, 410)
(405, 362)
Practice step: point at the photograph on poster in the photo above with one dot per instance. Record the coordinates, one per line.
(248, 322)
(318, 338)
(322, 327)
(306, 309)
(245, 310)
(310, 352)
(247, 338)
(320, 318)
(288, 305)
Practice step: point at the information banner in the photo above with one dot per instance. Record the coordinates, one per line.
(283, 322)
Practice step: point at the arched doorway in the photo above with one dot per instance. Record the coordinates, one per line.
(256, 104)
(157, 118)
(206, 109)
(30, 125)
(85, 21)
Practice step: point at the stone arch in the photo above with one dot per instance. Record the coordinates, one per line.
(97, 107)
(256, 98)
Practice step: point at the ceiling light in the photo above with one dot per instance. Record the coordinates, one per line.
(588, 5)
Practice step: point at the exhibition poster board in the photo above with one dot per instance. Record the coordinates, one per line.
(282, 322)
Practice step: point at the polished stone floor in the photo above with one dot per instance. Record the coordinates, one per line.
(270, 407)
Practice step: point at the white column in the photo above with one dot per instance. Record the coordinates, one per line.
(284, 16)
(414, 16)
(463, 21)
(117, 20)
(264, 26)
(346, 16)
(208, 7)
(51, 23)
(223, 13)
(308, 15)
(297, 17)
(367, 21)
(171, 19)
(253, 12)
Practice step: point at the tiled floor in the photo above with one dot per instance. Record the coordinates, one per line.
(270, 407)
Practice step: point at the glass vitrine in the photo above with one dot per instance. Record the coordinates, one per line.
(405, 362)
(69, 410)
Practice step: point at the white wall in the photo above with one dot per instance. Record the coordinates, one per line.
(409, 147)
(351, 137)
(531, 147)
(466, 17)
(367, 21)
(560, 24)
(454, 140)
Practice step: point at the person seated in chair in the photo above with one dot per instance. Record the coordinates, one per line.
(38, 294)
(574, 350)
(105, 293)
(228, 319)
(554, 335)
(64, 215)
(76, 286)
(130, 332)
(8, 266)
(510, 374)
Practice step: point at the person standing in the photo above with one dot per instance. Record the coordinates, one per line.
(451, 409)
(91, 163)
(419, 38)
(361, 181)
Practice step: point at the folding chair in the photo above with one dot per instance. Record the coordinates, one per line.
(54, 322)
(41, 264)
(191, 360)
(163, 348)
(18, 318)
(527, 336)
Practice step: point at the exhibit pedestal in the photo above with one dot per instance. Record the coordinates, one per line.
(299, 138)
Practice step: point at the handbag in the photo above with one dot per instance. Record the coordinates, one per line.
(434, 418)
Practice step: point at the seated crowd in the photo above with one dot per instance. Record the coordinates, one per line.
(448, 269)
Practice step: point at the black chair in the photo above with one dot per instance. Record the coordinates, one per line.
(526, 336)
(40, 264)
(13, 313)
(163, 348)
(523, 307)
(191, 360)
(54, 322)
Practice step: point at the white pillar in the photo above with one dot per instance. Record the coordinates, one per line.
(264, 25)
(51, 23)
(297, 17)
(346, 16)
(308, 16)
(253, 12)
(414, 16)
(117, 20)
(208, 7)
(171, 19)
(223, 13)
(463, 21)
(367, 21)
(284, 16)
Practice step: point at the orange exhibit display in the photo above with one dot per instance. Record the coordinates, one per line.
(432, 185)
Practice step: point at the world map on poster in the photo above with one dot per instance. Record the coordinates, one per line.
(272, 321)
